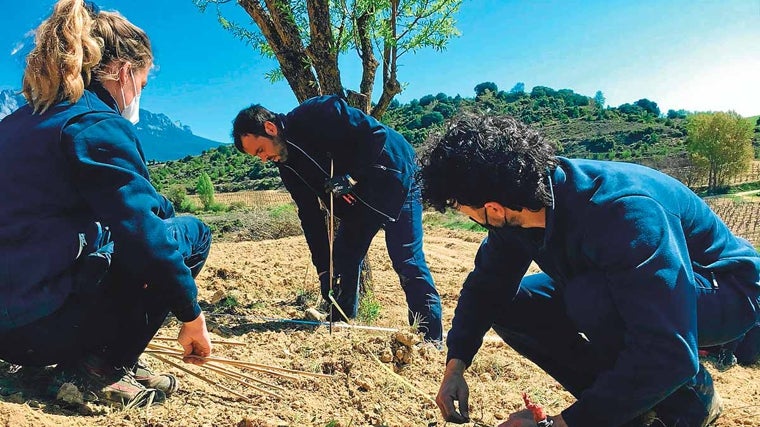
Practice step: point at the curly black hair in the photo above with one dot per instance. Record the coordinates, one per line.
(483, 158)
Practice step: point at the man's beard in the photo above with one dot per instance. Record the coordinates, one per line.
(281, 147)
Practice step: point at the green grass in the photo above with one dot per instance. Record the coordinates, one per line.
(369, 308)
(279, 211)
(451, 220)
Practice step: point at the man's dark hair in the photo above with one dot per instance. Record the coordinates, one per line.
(481, 158)
(250, 120)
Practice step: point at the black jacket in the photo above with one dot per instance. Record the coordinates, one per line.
(325, 130)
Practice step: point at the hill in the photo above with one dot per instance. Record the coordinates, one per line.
(162, 139)
(575, 122)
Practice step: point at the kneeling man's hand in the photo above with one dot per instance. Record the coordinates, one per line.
(454, 388)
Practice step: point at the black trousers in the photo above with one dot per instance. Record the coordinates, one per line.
(115, 321)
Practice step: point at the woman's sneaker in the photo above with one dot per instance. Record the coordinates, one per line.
(98, 382)
(165, 382)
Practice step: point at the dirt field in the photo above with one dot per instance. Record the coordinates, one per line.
(249, 284)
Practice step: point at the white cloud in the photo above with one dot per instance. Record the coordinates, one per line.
(28, 39)
(17, 48)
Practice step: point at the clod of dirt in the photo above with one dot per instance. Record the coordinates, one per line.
(312, 313)
(247, 422)
(386, 355)
(364, 384)
(70, 394)
(218, 296)
(403, 348)
(333, 366)
(407, 338)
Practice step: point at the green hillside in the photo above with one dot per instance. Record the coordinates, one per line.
(580, 125)
(228, 169)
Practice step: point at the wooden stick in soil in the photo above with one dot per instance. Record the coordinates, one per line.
(222, 342)
(179, 355)
(248, 377)
(255, 366)
(201, 377)
(225, 361)
(235, 377)
(262, 368)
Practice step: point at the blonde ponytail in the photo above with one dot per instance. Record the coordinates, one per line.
(76, 44)
(59, 67)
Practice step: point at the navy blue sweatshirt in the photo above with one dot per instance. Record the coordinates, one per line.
(325, 130)
(646, 233)
(60, 172)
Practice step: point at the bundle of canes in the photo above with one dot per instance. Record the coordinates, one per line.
(230, 369)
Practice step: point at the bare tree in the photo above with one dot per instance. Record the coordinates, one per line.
(308, 38)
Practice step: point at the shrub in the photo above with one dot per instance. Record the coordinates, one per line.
(205, 190)
(177, 194)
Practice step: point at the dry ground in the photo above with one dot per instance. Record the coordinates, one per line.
(252, 283)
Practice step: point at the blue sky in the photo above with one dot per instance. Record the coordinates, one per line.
(696, 55)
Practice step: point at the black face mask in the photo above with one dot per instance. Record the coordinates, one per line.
(487, 226)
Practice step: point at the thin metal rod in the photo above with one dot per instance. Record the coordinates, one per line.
(331, 238)
(318, 323)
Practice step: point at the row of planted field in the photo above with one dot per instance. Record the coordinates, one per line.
(250, 198)
(741, 215)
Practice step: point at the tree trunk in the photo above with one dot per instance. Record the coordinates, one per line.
(281, 32)
(322, 49)
(391, 85)
(369, 62)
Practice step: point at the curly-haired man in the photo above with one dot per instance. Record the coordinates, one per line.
(637, 273)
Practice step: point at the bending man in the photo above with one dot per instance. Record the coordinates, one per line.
(638, 272)
(324, 149)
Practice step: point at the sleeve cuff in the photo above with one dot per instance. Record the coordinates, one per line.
(578, 414)
(188, 312)
(453, 354)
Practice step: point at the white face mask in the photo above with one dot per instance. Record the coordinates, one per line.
(131, 112)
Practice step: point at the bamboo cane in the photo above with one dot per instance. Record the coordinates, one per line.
(264, 368)
(272, 370)
(222, 342)
(201, 377)
(236, 377)
(248, 377)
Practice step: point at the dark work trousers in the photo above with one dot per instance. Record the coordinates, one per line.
(115, 322)
(542, 324)
(403, 239)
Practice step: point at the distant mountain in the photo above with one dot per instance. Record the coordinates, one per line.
(9, 102)
(162, 139)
